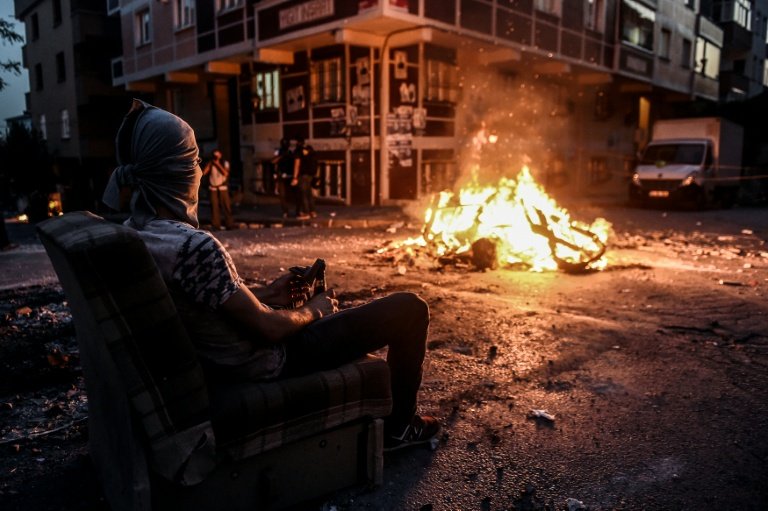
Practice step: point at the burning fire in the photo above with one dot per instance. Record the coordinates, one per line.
(521, 223)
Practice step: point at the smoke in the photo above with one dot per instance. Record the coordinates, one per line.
(506, 121)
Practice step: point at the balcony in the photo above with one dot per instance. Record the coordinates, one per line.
(731, 81)
(736, 37)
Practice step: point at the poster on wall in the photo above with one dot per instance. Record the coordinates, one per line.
(338, 121)
(407, 93)
(364, 5)
(400, 136)
(419, 120)
(294, 99)
(361, 95)
(401, 65)
(363, 68)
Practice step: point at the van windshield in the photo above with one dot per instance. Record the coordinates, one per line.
(674, 154)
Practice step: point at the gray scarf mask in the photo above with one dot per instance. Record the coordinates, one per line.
(158, 159)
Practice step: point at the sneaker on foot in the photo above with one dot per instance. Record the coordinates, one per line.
(302, 217)
(422, 430)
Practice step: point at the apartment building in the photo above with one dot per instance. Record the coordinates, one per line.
(743, 69)
(396, 95)
(72, 102)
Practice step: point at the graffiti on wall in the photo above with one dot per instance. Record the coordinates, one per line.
(400, 136)
(295, 99)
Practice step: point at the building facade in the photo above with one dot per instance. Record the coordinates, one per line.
(396, 95)
(72, 102)
(743, 69)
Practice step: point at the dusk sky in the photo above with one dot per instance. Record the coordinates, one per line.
(12, 97)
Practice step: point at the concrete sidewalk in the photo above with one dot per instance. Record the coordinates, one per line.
(267, 213)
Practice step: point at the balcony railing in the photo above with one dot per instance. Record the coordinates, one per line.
(184, 52)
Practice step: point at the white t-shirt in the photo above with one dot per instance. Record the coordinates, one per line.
(216, 178)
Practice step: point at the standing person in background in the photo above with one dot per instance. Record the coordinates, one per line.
(283, 159)
(217, 170)
(303, 173)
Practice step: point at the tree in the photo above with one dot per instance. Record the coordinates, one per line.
(9, 36)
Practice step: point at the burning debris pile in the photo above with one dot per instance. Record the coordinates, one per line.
(514, 224)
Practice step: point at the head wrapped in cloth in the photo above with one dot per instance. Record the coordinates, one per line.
(158, 159)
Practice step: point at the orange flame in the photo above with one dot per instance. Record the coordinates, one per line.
(527, 226)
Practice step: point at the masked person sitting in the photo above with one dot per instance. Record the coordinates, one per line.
(250, 334)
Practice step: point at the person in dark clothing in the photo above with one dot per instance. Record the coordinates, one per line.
(254, 334)
(284, 161)
(304, 168)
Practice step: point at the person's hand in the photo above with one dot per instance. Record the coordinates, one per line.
(286, 290)
(323, 304)
(294, 182)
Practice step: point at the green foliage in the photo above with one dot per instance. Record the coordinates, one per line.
(26, 163)
(9, 36)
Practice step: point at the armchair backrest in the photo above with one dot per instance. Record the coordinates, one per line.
(135, 352)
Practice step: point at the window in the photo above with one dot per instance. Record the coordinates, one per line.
(34, 27)
(594, 15)
(225, 5)
(707, 58)
(265, 88)
(738, 11)
(686, 57)
(666, 37)
(185, 13)
(38, 76)
(143, 27)
(65, 124)
(549, 6)
(327, 81)
(43, 128)
(765, 73)
(56, 13)
(61, 70)
(442, 82)
(637, 22)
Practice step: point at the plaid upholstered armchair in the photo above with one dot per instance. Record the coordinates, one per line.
(160, 435)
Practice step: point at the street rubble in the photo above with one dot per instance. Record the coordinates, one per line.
(635, 387)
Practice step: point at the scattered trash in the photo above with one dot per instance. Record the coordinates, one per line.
(23, 311)
(575, 505)
(747, 231)
(401, 269)
(57, 357)
(541, 414)
(730, 283)
(725, 238)
(392, 229)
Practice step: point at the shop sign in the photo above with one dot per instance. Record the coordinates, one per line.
(306, 12)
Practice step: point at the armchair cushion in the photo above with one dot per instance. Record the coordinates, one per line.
(251, 418)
